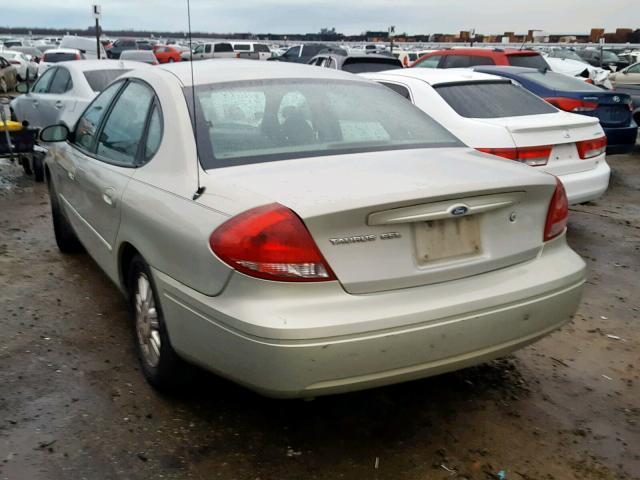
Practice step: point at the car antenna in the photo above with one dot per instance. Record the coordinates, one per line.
(200, 189)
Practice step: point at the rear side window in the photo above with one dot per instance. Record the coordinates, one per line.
(259, 47)
(529, 61)
(223, 47)
(404, 91)
(61, 82)
(431, 62)
(99, 79)
(492, 100)
(360, 65)
(242, 47)
(480, 61)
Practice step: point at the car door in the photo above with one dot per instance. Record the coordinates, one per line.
(56, 100)
(103, 173)
(71, 158)
(30, 103)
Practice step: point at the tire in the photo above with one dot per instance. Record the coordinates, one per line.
(38, 167)
(66, 238)
(161, 365)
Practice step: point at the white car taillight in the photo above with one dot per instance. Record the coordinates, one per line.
(592, 148)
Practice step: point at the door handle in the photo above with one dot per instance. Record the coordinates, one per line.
(35, 103)
(71, 175)
(108, 196)
(59, 105)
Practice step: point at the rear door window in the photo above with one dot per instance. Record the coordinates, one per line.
(492, 100)
(473, 60)
(223, 47)
(207, 48)
(431, 62)
(455, 61)
(61, 83)
(120, 138)
(529, 61)
(87, 126)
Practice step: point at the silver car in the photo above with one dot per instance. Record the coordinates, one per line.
(305, 231)
(64, 90)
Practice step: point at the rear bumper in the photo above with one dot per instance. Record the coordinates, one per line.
(286, 340)
(621, 140)
(587, 186)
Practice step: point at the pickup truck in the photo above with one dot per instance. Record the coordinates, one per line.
(208, 50)
(250, 50)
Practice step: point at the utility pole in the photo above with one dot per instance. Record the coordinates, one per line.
(96, 10)
(392, 33)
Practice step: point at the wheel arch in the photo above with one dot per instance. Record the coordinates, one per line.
(126, 253)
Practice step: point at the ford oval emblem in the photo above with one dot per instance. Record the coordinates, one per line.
(459, 210)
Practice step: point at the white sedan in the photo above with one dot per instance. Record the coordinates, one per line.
(64, 90)
(23, 63)
(496, 116)
(305, 231)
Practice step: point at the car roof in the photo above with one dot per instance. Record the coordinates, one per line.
(62, 50)
(435, 76)
(505, 69)
(234, 70)
(90, 65)
(486, 51)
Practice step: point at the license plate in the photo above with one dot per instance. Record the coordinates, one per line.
(450, 238)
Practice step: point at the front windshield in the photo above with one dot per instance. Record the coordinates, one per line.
(269, 120)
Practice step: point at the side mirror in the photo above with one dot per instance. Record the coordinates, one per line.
(22, 88)
(54, 133)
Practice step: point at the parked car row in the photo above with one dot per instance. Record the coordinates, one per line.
(432, 236)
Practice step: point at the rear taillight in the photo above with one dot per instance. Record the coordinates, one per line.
(270, 242)
(78, 57)
(557, 214)
(533, 156)
(237, 55)
(572, 104)
(592, 148)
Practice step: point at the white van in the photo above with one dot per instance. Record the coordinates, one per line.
(208, 50)
(87, 46)
(258, 51)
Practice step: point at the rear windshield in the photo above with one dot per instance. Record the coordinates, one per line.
(56, 57)
(531, 61)
(99, 79)
(559, 81)
(360, 65)
(270, 120)
(492, 100)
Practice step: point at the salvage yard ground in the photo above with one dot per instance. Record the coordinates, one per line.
(74, 405)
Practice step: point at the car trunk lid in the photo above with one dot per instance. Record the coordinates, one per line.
(390, 220)
(560, 130)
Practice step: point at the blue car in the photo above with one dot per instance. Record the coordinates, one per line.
(613, 109)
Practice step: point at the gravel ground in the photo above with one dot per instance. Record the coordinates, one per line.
(73, 404)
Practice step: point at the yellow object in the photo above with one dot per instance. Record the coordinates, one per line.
(11, 126)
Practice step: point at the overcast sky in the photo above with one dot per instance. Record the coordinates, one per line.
(350, 17)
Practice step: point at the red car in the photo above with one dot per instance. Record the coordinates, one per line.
(167, 53)
(470, 57)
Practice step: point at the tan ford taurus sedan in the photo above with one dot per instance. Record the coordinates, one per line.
(304, 231)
